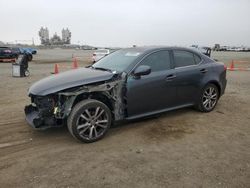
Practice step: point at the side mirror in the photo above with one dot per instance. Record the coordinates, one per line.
(142, 70)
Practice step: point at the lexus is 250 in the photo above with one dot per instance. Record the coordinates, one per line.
(127, 84)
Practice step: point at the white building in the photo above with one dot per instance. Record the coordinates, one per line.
(66, 36)
(44, 35)
(55, 40)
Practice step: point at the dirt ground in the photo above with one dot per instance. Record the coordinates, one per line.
(183, 148)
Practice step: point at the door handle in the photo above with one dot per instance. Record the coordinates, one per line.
(203, 70)
(170, 77)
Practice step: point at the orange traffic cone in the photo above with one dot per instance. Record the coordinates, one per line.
(56, 71)
(75, 64)
(231, 68)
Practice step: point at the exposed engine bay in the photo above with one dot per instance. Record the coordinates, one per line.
(52, 110)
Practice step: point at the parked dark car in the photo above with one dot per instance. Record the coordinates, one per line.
(22, 51)
(127, 84)
(30, 50)
(16, 52)
(6, 53)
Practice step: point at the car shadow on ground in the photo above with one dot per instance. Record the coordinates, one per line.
(171, 124)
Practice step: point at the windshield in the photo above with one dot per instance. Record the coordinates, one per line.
(117, 61)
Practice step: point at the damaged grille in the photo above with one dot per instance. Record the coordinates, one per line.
(45, 105)
(40, 113)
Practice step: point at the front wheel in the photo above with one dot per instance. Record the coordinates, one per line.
(89, 120)
(209, 98)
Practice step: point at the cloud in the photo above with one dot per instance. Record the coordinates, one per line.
(124, 23)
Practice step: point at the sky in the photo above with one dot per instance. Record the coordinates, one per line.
(117, 23)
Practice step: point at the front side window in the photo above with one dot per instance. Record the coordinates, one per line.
(184, 58)
(158, 61)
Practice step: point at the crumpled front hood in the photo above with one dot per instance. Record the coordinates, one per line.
(68, 79)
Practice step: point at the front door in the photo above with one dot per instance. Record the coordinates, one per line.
(155, 91)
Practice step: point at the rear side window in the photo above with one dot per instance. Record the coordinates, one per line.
(184, 58)
(197, 59)
(158, 61)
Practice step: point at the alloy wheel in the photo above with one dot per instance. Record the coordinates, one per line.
(92, 123)
(209, 98)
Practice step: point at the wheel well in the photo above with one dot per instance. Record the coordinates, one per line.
(95, 95)
(217, 85)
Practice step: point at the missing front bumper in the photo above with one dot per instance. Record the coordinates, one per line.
(34, 119)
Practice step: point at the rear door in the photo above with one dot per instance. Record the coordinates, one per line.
(190, 73)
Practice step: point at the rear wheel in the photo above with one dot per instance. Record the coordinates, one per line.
(89, 120)
(209, 98)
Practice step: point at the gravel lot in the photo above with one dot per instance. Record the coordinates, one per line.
(183, 148)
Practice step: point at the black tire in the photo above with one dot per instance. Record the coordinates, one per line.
(87, 130)
(202, 105)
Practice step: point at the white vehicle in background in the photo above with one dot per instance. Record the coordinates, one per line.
(202, 49)
(100, 53)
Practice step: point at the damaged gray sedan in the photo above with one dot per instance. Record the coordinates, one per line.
(127, 84)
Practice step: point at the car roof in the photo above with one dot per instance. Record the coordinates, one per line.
(146, 49)
(102, 49)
